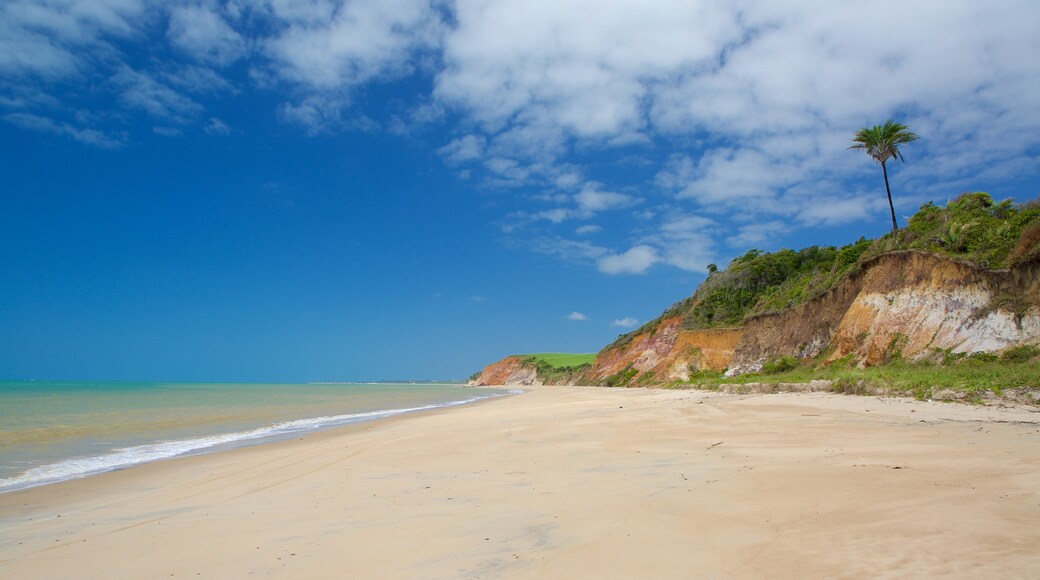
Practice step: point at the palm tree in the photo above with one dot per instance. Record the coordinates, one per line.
(882, 143)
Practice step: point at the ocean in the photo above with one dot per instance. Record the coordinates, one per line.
(57, 430)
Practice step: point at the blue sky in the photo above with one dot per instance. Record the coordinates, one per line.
(322, 190)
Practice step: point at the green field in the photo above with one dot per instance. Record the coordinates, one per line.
(562, 359)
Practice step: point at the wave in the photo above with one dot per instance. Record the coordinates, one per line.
(128, 456)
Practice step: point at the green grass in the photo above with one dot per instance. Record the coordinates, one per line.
(559, 367)
(561, 360)
(970, 375)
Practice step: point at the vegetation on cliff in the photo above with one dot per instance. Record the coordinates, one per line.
(958, 376)
(971, 227)
(561, 360)
(557, 367)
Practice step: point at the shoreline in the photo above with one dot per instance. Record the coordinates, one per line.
(576, 481)
(151, 450)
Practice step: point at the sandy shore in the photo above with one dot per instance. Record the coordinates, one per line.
(567, 483)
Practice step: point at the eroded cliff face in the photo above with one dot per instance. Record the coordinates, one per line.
(508, 371)
(668, 353)
(909, 304)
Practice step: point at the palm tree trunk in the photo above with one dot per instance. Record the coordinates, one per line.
(891, 207)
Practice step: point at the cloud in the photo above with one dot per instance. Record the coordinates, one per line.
(478, 299)
(571, 250)
(839, 210)
(627, 322)
(195, 79)
(83, 135)
(354, 43)
(59, 39)
(316, 113)
(464, 149)
(217, 127)
(634, 261)
(686, 241)
(761, 99)
(721, 123)
(203, 34)
(760, 234)
(584, 71)
(577, 316)
(592, 199)
(140, 90)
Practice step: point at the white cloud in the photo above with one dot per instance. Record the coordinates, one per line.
(203, 34)
(167, 131)
(582, 68)
(555, 216)
(141, 91)
(835, 210)
(769, 93)
(751, 106)
(464, 149)
(507, 171)
(217, 127)
(686, 241)
(634, 261)
(578, 316)
(627, 322)
(759, 233)
(571, 250)
(592, 199)
(317, 113)
(195, 79)
(588, 229)
(58, 39)
(83, 135)
(333, 47)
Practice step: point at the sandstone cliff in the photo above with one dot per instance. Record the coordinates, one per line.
(908, 304)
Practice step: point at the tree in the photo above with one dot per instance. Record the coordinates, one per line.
(882, 143)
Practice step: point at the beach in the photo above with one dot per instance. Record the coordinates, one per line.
(569, 482)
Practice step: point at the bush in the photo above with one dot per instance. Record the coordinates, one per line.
(779, 365)
(980, 357)
(1028, 243)
(621, 378)
(1020, 354)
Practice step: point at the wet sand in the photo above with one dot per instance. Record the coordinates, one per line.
(570, 482)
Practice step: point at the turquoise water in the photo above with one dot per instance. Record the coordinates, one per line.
(56, 430)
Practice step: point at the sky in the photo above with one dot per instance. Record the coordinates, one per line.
(307, 190)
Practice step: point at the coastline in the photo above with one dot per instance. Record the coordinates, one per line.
(569, 481)
(106, 443)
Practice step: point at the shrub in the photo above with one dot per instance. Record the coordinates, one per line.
(779, 365)
(1028, 243)
(1020, 354)
(980, 357)
(622, 377)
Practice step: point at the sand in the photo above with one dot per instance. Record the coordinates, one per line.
(569, 482)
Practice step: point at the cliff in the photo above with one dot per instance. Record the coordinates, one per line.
(541, 369)
(907, 304)
(865, 304)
